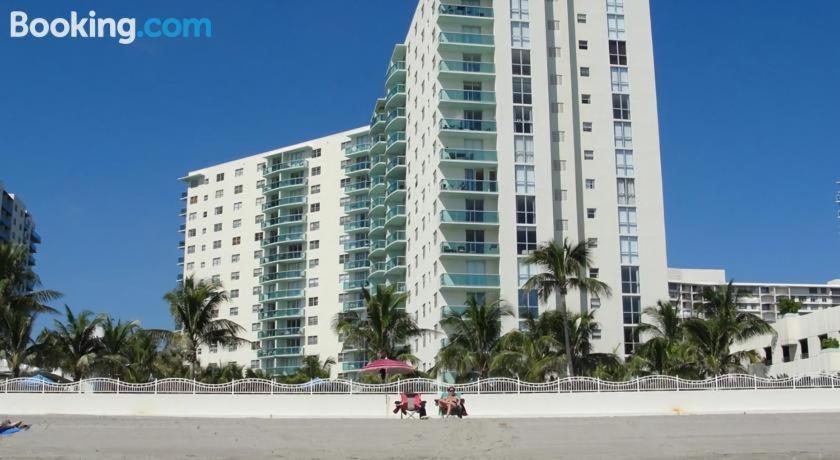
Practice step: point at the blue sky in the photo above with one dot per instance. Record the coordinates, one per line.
(93, 134)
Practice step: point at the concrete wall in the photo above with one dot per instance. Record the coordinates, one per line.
(377, 406)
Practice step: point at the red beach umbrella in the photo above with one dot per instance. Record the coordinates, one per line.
(388, 367)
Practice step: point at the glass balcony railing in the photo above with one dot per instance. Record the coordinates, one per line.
(454, 124)
(353, 305)
(397, 89)
(359, 244)
(466, 39)
(395, 262)
(293, 182)
(284, 332)
(394, 68)
(354, 264)
(379, 118)
(349, 366)
(278, 276)
(467, 185)
(362, 204)
(356, 225)
(396, 113)
(281, 351)
(468, 247)
(447, 279)
(282, 238)
(467, 66)
(282, 256)
(356, 149)
(357, 186)
(458, 95)
(396, 161)
(452, 310)
(281, 313)
(377, 268)
(287, 219)
(376, 245)
(378, 201)
(355, 284)
(395, 237)
(395, 211)
(461, 10)
(279, 167)
(286, 201)
(396, 185)
(466, 216)
(468, 155)
(377, 223)
(353, 167)
(393, 138)
(282, 294)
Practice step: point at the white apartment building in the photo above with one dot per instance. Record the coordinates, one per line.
(16, 223)
(503, 124)
(685, 289)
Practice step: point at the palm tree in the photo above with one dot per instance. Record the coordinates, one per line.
(580, 328)
(564, 268)
(529, 354)
(16, 343)
(18, 281)
(474, 338)
(383, 329)
(665, 350)
(194, 306)
(313, 368)
(721, 326)
(73, 344)
(116, 340)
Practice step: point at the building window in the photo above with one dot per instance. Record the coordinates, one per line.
(623, 134)
(587, 126)
(312, 340)
(234, 293)
(632, 309)
(584, 71)
(312, 302)
(217, 261)
(312, 321)
(237, 206)
(585, 98)
(583, 45)
(220, 193)
(234, 311)
(237, 223)
(314, 244)
(627, 221)
(237, 240)
(256, 326)
(526, 239)
(237, 189)
(620, 79)
(618, 52)
(581, 18)
(314, 207)
(315, 189)
(615, 6)
(314, 263)
(520, 34)
(615, 27)
(621, 106)
(523, 120)
(630, 280)
(519, 10)
(629, 250)
(521, 62)
(217, 227)
(220, 177)
(624, 163)
(626, 192)
(316, 153)
(217, 244)
(314, 226)
(316, 171)
(588, 154)
(590, 184)
(590, 213)
(217, 210)
(521, 90)
(523, 149)
(526, 210)
(525, 181)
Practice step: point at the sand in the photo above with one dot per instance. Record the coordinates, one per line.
(738, 436)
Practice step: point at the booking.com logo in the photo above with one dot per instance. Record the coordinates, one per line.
(91, 26)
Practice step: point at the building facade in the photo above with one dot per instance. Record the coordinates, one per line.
(16, 223)
(503, 124)
(685, 289)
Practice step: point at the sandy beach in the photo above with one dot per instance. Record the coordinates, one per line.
(740, 436)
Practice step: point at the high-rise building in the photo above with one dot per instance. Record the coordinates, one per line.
(502, 125)
(16, 223)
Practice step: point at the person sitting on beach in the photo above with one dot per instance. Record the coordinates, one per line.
(450, 402)
(8, 425)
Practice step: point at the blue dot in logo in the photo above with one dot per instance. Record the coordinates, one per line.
(139, 33)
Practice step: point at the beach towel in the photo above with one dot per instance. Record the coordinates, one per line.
(9, 432)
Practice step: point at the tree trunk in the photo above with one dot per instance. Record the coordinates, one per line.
(567, 343)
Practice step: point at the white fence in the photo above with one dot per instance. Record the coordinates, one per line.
(487, 386)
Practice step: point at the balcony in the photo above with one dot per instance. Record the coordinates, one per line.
(472, 218)
(377, 249)
(355, 284)
(464, 15)
(182, 228)
(183, 213)
(183, 195)
(283, 257)
(377, 270)
(395, 97)
(353, 265)
(379, 141)
(466, 98)
(357, 150)
(396, 143)
(377, 205)
(284, 332)
(396, 120)
(351, 366)
(470, 67)
(357, 205)
(282, 351)
(459, 280)
(452, 310)
(396, 72)
(180, 261)
(289, 219)
(283, 370)
(282, 294)
(281, 313)
(357, 187)
(358, 245)
(468, 157)
(468, 186)
(377, 124)
(283, 238)
(285, 202)
(395, 216)
(357, 168)
(378, 167)
(461, 42)
(358, 225)
(352, 305)
(283, 276)
(469, 248)
(395, 240)
(460, 125)
(286, 184)
(395, 265)
(377, 226)
(181, 244)
(377, 185)
(293, 165)
(396, 190)
(395, 165)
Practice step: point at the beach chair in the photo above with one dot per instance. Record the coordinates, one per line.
(410, 405)
(460, 411)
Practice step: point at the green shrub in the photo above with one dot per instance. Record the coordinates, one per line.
(787, 306)
(830, 342)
